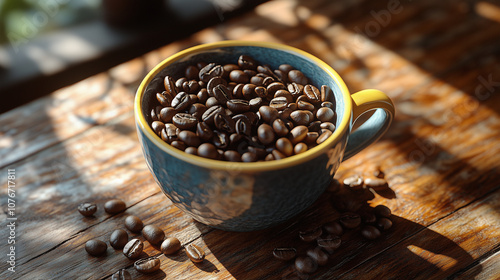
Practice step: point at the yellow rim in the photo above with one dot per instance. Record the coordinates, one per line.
(243, 166)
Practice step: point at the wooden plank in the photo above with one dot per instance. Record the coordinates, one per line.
(487, 269)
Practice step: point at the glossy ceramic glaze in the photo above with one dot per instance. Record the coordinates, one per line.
(252, 196)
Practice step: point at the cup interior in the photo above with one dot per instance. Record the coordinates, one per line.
(318, 73)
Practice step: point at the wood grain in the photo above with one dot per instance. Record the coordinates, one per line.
(441, 156)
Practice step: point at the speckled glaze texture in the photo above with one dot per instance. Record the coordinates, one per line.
(236, 198)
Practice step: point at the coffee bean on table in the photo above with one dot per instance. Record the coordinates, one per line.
(87, 209)
(195, 253)
(370, 232)
(153, 234)
(318, 255)
(306, 264)
(114, 206)
(384, 223)
(350, 220)
(118, 239)
(170, 245)
(284, 254)
(133, 223)
(133, 248)
(382, 211)
(147, 265)
(310, 235)
(95, 247)
(333, 228)
(121, 274)
(329, 242)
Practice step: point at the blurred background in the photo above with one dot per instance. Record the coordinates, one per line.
(45, 45)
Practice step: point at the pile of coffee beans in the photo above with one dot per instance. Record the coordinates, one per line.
(243, 112)
(133, 249)
(350, 199)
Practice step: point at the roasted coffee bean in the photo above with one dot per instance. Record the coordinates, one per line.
(266, 134)
(255, 103)
(325, 114)
(179, 145)
(118, 239)
(285, 146)
(310, 235)
(329, 243)
(327, 125)
(318, 255)
(249, 91)
(298, 133)
(243, 127)
(370, 232)
(166, 114)
(285, 68)
(191, 86)
(232, 156)
(190, 138)
(202, 95)
(191, 151)
(324, 136)
(300, 117)
(148, 265)
(210, 113)
(302, 98)
(350, 220)
(184, 121)
(295, 89)
(195, 253)
(257, 80)
(238, 105)
(204, 131)
(326, 94)
(224, 123)
(376, 184)
(279, 103)
(284, 254)
(191, 72)
(311, 138)
(197, 110)
(222, 94)
(87, 209)
(300, 148)
(249, 157)
(170, 245)
(278, 155)
(312, 93)
(211, 102)
(133, 223)
(333, 228)
(207, 150)
(368, 217)
(268, 114)
(306, 264)
(238, 76)
(261, 92)
(247, 62)
(269, 157)
(280, 128)
(169, 85)
(209, 71)
(179, 83)
(354, 182)
(215, 82)
(121, 274)
(95, 247)
(157, 127)
(328, 105)
(303, 105)
(181, 101)
(238, 91)
(384, 223)
(170, 133)
(220, 139)
(155, 113)
(153, 234)
(382, 211)
(114, 206)
(274, 87)
(164, 99)
(228, 68)
(295, 76)
(260, 152)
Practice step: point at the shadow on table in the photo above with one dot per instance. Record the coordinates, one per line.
(408, 249)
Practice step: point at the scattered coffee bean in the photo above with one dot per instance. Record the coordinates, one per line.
(350, 220)
(306, 264)
(147, 265)
(121, 274)
(118, 239)
(87, 209)
(284, 254)
(384, 223)
(382, 211)
(133, 249)
(333, 228)
(133, 223)
(153, 234)
(370, 232)
(330, 243)
(114, 206)
(95, 247)
(310, 235)
(318, 255)
(170, 245)
(195, 253)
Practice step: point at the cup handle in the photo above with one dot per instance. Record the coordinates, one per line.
(373, 128)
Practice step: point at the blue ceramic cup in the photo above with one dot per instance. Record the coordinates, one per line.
(238, 196)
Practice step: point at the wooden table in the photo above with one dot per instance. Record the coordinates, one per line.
(439, 62)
